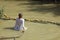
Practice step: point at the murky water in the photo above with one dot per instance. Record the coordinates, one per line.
(35, 31)
(44, 12)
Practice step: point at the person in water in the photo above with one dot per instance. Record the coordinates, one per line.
(20, 23)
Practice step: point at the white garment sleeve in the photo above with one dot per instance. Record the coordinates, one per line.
(22, 22)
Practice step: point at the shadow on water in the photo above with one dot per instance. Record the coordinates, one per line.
(30, 3)
(37, 6)
(9, 28)
(19, 34)
(46, 9)
(56, 10)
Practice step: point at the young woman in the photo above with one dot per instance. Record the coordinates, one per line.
(20, 23)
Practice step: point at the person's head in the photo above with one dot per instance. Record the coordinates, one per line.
(20, 15)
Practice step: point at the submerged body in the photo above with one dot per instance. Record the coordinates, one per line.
(20, 24)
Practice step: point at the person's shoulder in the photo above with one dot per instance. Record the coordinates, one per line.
(16, 18)
(22, 19)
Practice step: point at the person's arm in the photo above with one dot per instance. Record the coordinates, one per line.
(22, 23)
(16, 22)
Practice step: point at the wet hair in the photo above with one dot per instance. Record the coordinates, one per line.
(20, 15)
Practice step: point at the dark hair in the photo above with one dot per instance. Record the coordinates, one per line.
(20, 15)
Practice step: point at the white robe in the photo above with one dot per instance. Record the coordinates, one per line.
(19, 24)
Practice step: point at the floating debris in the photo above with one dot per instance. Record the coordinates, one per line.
(35, 20)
